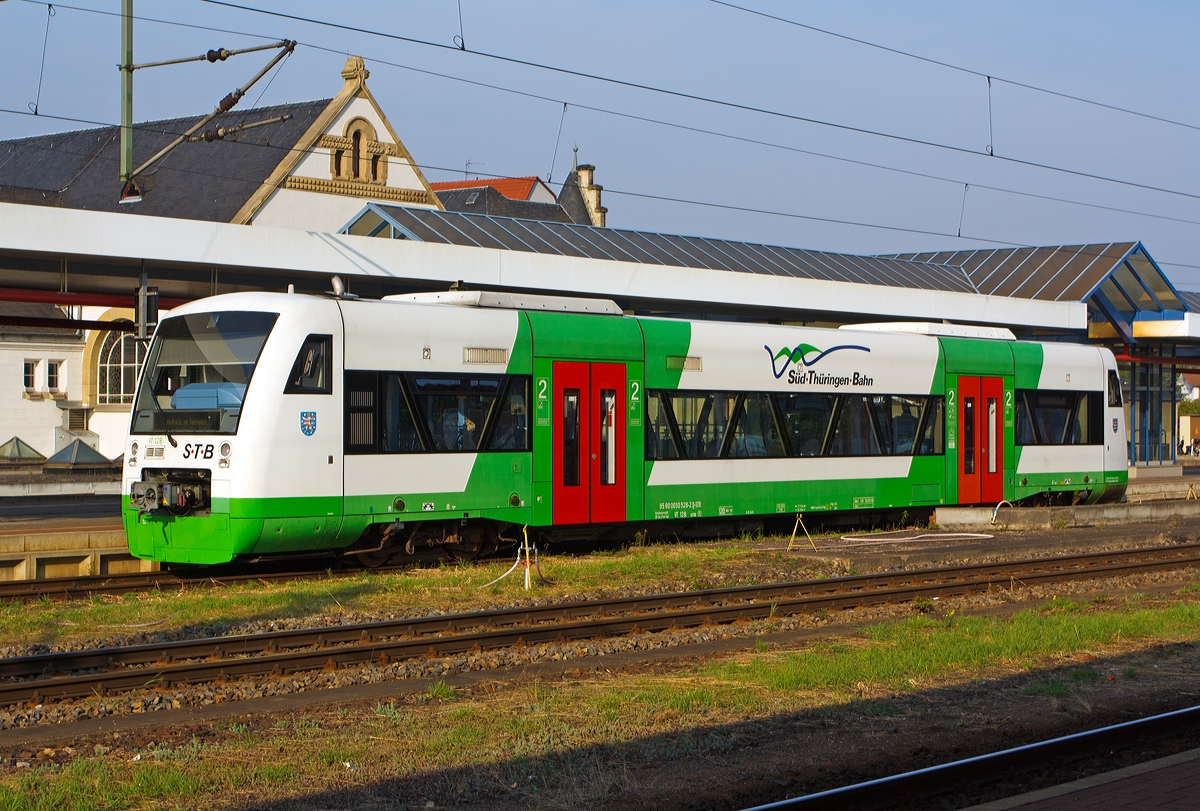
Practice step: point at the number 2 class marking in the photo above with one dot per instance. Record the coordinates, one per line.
(636, 386)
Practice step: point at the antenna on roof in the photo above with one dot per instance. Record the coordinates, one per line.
(467, 167)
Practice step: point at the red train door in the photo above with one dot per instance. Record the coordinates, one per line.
(980, 440)
(589, 442)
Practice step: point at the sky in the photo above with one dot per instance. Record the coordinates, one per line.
(703, 168)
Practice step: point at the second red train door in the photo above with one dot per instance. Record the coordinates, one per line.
(589, 442)
(980, 440)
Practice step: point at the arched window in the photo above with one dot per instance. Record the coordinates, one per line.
(117, 366)
(355, 153)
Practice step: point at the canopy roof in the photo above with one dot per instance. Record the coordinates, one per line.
(18, 451)
(78, 454)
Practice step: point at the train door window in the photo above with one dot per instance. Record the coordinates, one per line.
(360, 412)
(756, 433)
(455, 409)
(806, 420)
(397, 429)
(608, 436)
(1114, 389)
(968, 449)
(511, 432)
(311, 371)
(993, 418)
(660, 437)
(570, 418)
(854, 435)
(933, 431)
(702, 420)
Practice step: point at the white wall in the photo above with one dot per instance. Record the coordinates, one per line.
(35, 420)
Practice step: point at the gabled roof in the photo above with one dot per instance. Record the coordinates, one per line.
(78, 454)
(198, 181)
(17, 451)
(487, 200)
(514, 188)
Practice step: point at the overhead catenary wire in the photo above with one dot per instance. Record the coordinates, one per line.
(725, 103)
(646, 119)
(960, 68)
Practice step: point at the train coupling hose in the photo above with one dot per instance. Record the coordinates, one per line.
(996, 511)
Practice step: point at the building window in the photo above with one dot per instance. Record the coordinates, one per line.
(374, 168)
(355, 153)
(52, 375)
(30, 375)
(120, 360)
(339, 168)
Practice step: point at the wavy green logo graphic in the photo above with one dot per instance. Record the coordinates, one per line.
(800, 356)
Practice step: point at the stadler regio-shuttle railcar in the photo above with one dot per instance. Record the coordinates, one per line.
(268, 424)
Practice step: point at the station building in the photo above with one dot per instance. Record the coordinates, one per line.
(294, 194)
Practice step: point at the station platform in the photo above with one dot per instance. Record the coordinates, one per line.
(1167, 784)
(66, 547)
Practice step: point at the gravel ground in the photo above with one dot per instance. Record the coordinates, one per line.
(151, 700)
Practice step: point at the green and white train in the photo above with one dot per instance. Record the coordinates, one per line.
(272, 424)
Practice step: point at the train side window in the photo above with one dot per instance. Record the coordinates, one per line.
(397, 429)
(897, 418)
(1114, 389)
(933, 432)
(855, 435)
(660, 439)
(455, 408)
(511, 429)
(1024, 433)
(806, 420)
(756, 434)
(1059, 417)
(702, 419)
(311, 371)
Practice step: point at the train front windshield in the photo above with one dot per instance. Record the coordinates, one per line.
(198, 371)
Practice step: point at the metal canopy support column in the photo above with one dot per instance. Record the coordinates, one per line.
(126, 89)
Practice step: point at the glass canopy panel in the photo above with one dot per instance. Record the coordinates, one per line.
(771, 259)
(637, 252)
(555, 234)
(1086, 282)
(1116, 299)
(407, 219)
(722, 260)
(497, 230)
(1032, 274)
(696, 247)
(973, 261)
(675, 253)
(941, 258)
(802, 263)
(1088, 261)
(689, 257)
(872, 272)
(1128, 282)
(1154, 279)
(993, 270)
(748, 261)
(472, 230)
(529, 233)
(368, 225)
(835, 264)
(1041, 277)
(577, 236)
(638, 238)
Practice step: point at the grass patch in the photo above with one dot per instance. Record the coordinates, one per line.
(451, 587)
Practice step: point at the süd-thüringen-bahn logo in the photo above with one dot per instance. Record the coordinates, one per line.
(802, 355)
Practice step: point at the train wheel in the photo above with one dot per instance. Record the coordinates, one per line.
(473, 540)
(374, 558)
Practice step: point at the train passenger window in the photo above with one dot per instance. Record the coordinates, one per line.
(933, 432)
(511, 432)
(806, 420)
(570, 437)
(854, 434)
(702, 419)
(660, 439)
(1060, 417)
(1024, 432)
(897, 418)
(397, 430)
(1114, 389)
(311, 371)
(756, 433)
(454, 408)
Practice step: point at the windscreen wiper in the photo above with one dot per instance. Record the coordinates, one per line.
(163, 414)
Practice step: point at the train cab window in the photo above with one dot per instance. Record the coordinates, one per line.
(702, 419)
(660, 437)
(933, 430)
(756, 433)
(511, 430)
(1114, 389)
(806, 420)
(311, 372)
(855, 434)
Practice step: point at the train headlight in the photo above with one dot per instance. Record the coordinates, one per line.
(226, 449)
(133, 449)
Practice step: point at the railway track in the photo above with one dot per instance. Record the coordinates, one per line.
(77, 674)
(921, 788)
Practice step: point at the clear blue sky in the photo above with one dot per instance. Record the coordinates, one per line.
(1138, 55)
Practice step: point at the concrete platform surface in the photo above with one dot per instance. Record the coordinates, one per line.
(1170, 784)
(1063, 517)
